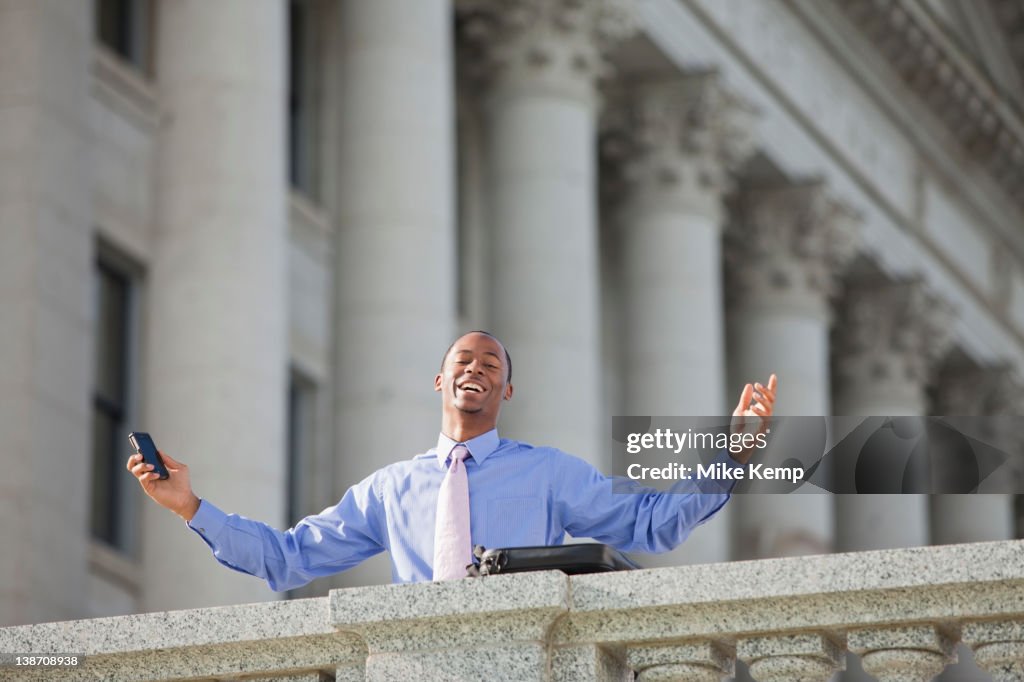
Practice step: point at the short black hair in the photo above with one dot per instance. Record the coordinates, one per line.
(508, 358)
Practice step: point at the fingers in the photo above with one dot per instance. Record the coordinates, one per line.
(745, 397)
(140, 470)
(765, 395)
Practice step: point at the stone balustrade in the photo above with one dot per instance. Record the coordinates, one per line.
(903, 611)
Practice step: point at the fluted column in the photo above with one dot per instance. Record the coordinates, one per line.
(217, 327)
(911, 653)
(540, 62)
(887, 338)
(395, 276)
(46, 277)
(785, 249)
(668, 147)
(968, 390)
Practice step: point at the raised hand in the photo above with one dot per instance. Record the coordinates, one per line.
(756, 405)
(174, 492)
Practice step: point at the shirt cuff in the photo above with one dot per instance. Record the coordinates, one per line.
(208, 521)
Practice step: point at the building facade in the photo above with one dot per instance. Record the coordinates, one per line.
(252, 228)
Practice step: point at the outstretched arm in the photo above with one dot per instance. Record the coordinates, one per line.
(333, 540)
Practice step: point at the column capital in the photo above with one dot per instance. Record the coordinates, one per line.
(674, 135)
(987, 399)
(969, 390)
(889, 332)
(792, 239)
(558, 46)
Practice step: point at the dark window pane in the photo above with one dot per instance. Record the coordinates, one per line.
(124, 27)
(111, 335)
(302, 97)
(110, 396)
(105, 498)
(296, 69)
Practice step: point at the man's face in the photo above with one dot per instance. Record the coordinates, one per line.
(473, 377)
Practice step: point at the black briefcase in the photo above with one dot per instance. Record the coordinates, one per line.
(589, 557)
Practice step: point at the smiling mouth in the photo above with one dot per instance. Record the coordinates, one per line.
(471, 388)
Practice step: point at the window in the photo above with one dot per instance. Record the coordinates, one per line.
(125, 26)
(303, 96)
(113, 302)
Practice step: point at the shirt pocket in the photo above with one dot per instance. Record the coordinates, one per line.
(515, 522)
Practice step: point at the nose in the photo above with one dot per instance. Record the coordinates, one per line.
(475, 367)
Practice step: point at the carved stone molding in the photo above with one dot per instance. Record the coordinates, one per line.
(698, 661)
(988, 399)
(889, 331)
(558, 45)
(998, 648)
(784, 658)
(929, 63)
(903, 654)
(791, 239)
(671, 135)
(969, 390)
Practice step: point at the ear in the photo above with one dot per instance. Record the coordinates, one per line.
(508, 392)
(437, 382)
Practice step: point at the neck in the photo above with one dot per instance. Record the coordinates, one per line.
(465, 428)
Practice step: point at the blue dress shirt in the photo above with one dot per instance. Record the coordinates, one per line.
(519, 495)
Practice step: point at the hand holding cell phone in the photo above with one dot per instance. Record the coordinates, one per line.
(143, 445)
(163, 478)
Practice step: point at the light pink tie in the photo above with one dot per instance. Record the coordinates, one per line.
(452, 551)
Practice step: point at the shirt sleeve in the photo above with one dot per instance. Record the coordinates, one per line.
(628, 516)
(336, 539)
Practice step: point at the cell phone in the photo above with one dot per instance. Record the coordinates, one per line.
(144, 445)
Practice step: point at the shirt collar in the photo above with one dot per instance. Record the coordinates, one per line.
(479, 447)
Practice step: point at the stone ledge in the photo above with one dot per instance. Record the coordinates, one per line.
(490, 596)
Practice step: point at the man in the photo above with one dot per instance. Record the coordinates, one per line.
(518, 495)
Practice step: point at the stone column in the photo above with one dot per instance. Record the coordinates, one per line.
(216, 351)
(785, 249)
(46, 276)
(964, 389)
(541, 62)
(395, 277)
(669, 146)
(886, 341)
(395, 205)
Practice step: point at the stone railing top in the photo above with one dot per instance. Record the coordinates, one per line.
(833, 574)
(173, 629)
(511, 594)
